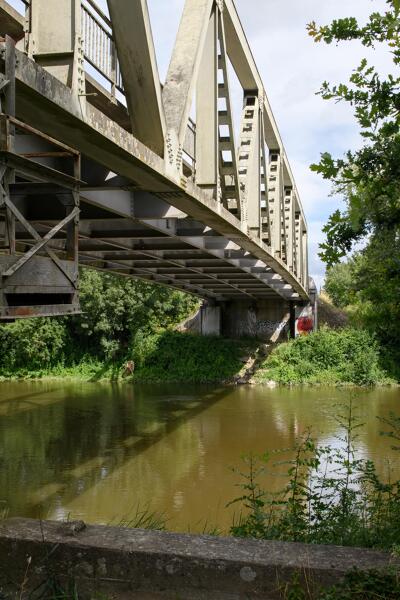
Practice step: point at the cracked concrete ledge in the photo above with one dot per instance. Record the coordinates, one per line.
(129, 564)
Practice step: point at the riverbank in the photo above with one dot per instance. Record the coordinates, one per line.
(327, 357)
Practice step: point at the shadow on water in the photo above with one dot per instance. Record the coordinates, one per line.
(75, 436)
(15, 404)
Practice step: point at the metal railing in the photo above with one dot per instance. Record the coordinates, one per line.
(98, 43)
(99, 46)
(101, 54)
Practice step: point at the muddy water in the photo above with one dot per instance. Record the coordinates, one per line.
(97, 452)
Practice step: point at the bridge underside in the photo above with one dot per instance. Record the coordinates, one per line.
(114, 206)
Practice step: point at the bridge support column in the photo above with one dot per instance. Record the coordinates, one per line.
(210, 320)
(267, 320)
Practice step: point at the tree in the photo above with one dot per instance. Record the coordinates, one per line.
(115, 311)
(368, 179)
(340, 284)
(115, 308)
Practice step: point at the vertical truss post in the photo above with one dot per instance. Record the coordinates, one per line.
(55, 41)
(249, 159)
(289, 227)
(71, 202)
(296, 232)
(7, 143)
(275, 197)
(27, 28)
(228, 172)
(265, 207)
(305, 259)
(206, 112)
(299, 247)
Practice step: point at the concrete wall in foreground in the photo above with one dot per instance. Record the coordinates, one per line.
(128, 564)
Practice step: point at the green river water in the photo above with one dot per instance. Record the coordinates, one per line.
(97, 452)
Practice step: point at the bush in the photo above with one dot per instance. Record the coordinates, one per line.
(326, 356)
(114, 311)
(173, 356)
(32, 344)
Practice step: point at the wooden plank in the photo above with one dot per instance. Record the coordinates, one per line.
(44, 136)
(30, 168)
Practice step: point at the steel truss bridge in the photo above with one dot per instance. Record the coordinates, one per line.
(102, 166)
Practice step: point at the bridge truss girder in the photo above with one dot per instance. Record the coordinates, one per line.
(177, 189)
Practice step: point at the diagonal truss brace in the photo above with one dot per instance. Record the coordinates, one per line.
(182, 75)
(41, 242)
(137, 58)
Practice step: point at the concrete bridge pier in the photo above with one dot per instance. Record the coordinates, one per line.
(268, 320)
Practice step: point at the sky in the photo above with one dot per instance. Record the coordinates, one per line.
(292, 67)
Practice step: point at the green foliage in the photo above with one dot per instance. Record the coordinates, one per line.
(144, 518)
(32, 344)
(340, 285)
(369, 179)
(326, 356)
(332, 497)
(368, 285)
(366, 585)
(115, 311)
(172, 356)
(116, 308)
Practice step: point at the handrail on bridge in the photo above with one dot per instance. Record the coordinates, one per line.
(99, 46)
(100, 53)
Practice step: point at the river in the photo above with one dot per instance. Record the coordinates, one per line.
(99, 452)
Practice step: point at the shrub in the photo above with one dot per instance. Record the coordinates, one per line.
(32, 344)
(173, 356)
(326, 356)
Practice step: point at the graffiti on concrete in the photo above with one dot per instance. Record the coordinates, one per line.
(267, 326)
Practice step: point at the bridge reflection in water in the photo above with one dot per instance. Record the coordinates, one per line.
(97, 451)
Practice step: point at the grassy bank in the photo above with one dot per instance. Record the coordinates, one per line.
(327, 357)
(166, 356)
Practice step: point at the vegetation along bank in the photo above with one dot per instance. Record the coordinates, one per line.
(128, 330)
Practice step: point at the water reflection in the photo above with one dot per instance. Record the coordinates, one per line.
(97, 451)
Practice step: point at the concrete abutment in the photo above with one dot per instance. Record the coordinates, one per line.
(268, 320)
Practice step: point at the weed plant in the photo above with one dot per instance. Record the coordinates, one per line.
(332, 496)
(144, 518)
